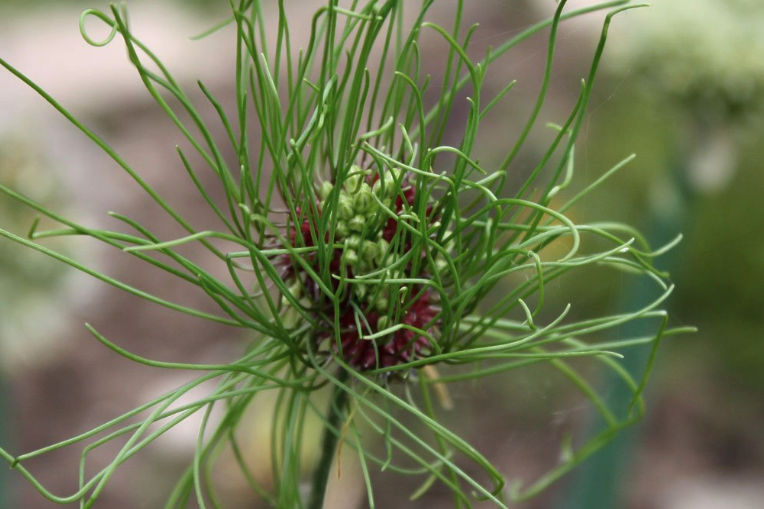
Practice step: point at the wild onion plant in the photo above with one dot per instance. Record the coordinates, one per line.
(359, 249)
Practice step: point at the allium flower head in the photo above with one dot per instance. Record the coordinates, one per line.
(380, 324)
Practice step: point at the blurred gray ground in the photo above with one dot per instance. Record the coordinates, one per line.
(703, 448)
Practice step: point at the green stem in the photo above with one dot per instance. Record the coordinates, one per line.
(334, 419)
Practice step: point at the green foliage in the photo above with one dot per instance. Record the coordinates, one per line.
(32, 282)
(704, 55)
(351, 221)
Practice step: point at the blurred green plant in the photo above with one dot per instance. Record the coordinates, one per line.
(40, 4)
(29, 287)
(703, 58)
(359, 248)
(702, 54)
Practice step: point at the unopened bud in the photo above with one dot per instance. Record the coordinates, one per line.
(353, 242)
(370, 251)
(351, 257)
(342, 229)
(383, 246)
(346, 207)
(325, 189)
(364, 200)
(355, 177)
(389, 185)
(357, 223)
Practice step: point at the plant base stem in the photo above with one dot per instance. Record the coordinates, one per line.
(335, 416)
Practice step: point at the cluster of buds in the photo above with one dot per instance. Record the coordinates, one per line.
(357, 212)
(367, 209)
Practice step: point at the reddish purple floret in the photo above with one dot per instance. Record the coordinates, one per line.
(403, 345)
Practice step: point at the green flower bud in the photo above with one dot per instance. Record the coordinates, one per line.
(346, 207)
(355, 177)
(361, 291)
(325, 189)
(353, 242)
(383, 246)
(383, 322)
(390, 185)
(357, 223)
(351, 257)
(364, 200)
(370, 251)
(382, 305)
(342, 229)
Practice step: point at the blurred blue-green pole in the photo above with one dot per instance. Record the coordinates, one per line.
(4, 471)
(598, 482)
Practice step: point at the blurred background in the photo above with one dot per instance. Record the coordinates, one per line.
(681, 85)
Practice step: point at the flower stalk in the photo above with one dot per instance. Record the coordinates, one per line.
(332, 432)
